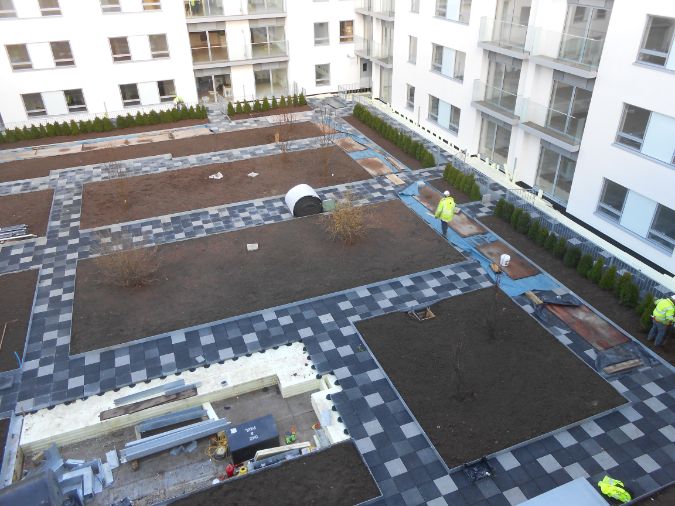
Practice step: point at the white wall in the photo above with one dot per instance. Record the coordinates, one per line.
(87, 29)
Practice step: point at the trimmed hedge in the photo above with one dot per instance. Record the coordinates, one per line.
(257, 105)
(405, 142)
(466, 183)
(104, 124)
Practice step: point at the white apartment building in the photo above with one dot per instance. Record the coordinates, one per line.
(574, 98)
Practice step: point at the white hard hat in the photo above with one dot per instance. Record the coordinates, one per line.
(672, 296)
(447, 194)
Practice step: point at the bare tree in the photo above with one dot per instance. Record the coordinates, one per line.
(120, 263)
(348, 222)
(326, 138)
(284, 125)
(116, 173)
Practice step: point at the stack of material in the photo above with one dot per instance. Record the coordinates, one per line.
(14, 233)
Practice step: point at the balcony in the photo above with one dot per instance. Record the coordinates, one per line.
(503, 37)
(382, 9)
(568, 53)
(212, 54)
(379, 53)
(274, 50)
(196, 10)
(219, 56)
(558, 128)
(497, 102)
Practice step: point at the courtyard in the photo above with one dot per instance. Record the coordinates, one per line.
(499, 378)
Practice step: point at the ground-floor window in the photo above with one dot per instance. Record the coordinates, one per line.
(494, 141)
(211, 86)
(555, 174)
(271, 82)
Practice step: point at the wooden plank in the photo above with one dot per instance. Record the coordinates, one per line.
(147, 403)
(622, 366)
(533, 298)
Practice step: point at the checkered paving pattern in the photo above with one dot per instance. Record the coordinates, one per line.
(635, 442)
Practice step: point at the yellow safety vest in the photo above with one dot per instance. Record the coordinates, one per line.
(446, 209)
(664, 312)
(614, 489)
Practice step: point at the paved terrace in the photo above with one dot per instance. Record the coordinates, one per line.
(635, 441)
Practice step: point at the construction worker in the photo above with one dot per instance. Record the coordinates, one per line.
(662, 317)
(614, 489)
(445, 211)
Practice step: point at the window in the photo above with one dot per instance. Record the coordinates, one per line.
(19, 57)
(568, 109)
(662, 230)
(456, 11)
(63, 56)
(612, 200)
(494, 142)
(50, 7)
(130, 95)
(322, 74)
(110, 6)
(412, 49)
(448, 62)
(633, 126)
(152, 5)
(415, 6)
(555, 174)
(167, 90)
(657, 41)
(410, 97)
(159, 48)
(444, 114)
(120, 49)
(321, 37)
(208, 46)
(347, 31)
(75, 100)
(34, 105)
(7, 9)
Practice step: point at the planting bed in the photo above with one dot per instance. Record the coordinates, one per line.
(271, 112)
(97, 135)
(442, 185)
(333, 476)
(203, 280)
(604, 301)
(663, 498)
(39, 167)
(186, 189)
(30, 209)
(17, 291)
(520, 384)
(390, 147)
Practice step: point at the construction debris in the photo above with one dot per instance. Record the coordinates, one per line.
(15, 233)
(149, 392)
(217, 175)
(252, 247)
(170, 396)
(171, 419)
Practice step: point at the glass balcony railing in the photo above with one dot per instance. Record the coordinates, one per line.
(385, 8)
(556, 124)
(579, 52)
(496, 98)
(220, 8)
(383, 53)
(269, 49)
(266, 6)
(503, 34)
(210, 54)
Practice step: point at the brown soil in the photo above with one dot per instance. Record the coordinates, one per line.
(38, 167)
(30, 209)
(17, 291)
(211, 278)
(664, 498)
(98, 135)
(390, 147)
(442, 185)
(334, 476)
(4, 429)
(602, 300)
(186, 189)
(520, 384)
(271, 112)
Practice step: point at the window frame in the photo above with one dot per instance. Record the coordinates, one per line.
(412, 56)
(320, 82)
(410, 104)
(50, 11)
(344, 39)
(167, 98)
(438, 67)
(415, 6)
(650, 52)
(322, 41)
(151, 5)
(159, 54)
(110, 8)
(32, 113)
(128, 102)
(606, 210)
(123, 56)
(23, 65)
(622, 137)
(660, 236)
(62, 62)
(8, 13)
(76, 108)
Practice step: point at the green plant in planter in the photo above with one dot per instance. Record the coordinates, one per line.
(645, 310)
(295, 100)
(247, 108)
(238, 108)
(623, 280)
(230, 109)
(629, 294)
(516, 216)
(523, 223)
(533, 231)
(560, 248)
(585, 265)
(499, 208)
(542, 236)
(257, 106)
(595, 273)
(608, 279)
(275, 104)
(282, 102)
(301, 99)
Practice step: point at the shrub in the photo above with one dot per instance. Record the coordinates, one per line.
(474, 193)
(132, 268)
(301, 99)
(275, 104)
(499, 208)
(608, 279)
(289, 101)
(247, 108)
(257, 106)
(120, 122)
(630, 295)
(295, 100)
(585, 265)
(515, 216)
(523, 223)
(595, 273)
(282, 102)
(623, 280)
(97, 125)
(646, 308)
(560, 248)
(550, 242)
(74, 128)
(347, 222)
(238, 109)
(572, 257)
(107, 124)
(50, 130)
(230, 109)
(34, 132)
(542, 235)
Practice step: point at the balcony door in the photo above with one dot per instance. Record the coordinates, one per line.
(585, 30)
(512, 18)
(266, 40)
(569, 109)
(502, 81)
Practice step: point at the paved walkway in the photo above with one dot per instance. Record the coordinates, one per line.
(635, 442)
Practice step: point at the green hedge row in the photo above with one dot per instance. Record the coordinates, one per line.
(405, 142)
(103, 124)
(466, 183)
(623, 287)
(265, 105)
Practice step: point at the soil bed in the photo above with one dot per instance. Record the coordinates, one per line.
(271, 112)
(186, 189)
(211, 278)
(520, 384)
(663, 498)
(442, 185)
(390, 147)
(17, 295)
(97, 135)
(602, 300)
(307, 480)
(30, 209)
(39, 167)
